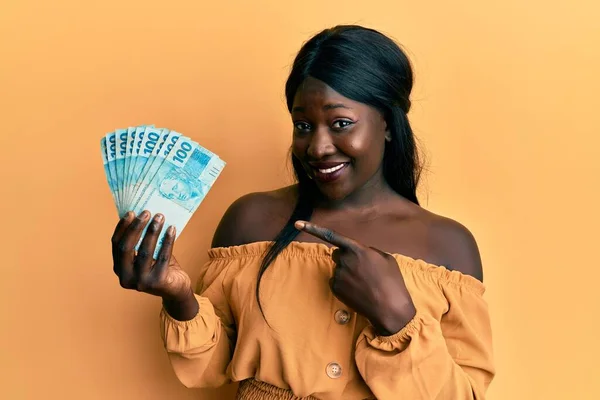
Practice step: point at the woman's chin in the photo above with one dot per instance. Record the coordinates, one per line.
(333, 192)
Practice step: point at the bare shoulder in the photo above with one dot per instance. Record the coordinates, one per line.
(455, 246)
(255, 217)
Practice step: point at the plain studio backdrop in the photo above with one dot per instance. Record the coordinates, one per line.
(505, 107)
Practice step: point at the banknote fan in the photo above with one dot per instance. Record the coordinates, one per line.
(159, 170)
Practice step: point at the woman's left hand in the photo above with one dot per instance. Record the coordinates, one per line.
(367, 280)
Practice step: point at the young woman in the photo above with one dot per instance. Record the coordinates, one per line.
(338, 287)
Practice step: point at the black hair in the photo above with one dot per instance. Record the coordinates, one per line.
(368, 67)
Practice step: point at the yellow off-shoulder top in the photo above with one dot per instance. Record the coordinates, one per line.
(312, 346)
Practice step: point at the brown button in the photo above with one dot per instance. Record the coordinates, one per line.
(334, 370)
(342, 317)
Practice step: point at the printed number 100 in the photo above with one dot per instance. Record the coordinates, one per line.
(182, 153)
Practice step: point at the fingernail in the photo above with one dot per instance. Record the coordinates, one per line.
(171, 230)
(127, 215)
(300, 225)
(158, 217)
(144, 214)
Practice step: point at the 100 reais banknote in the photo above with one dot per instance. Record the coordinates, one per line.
(159, 170)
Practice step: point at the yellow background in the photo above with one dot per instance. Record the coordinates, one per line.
(505, 104)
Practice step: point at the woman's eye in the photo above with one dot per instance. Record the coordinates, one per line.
(302, 126)
(341, 124)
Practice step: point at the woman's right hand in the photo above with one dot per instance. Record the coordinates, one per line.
(161, 277)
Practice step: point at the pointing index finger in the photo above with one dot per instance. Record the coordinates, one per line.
(327, 235)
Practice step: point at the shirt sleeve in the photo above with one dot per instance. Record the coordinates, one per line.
(449, 358)
(200, 349)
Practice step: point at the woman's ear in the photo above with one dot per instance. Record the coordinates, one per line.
(388, 134)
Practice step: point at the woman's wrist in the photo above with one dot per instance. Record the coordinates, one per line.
(393, 317)
(183, 307)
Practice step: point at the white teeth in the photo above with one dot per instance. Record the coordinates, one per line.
(330, 170)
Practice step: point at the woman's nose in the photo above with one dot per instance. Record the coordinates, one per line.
(321, 145)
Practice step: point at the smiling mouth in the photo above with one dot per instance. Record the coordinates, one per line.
(329, 174)
(332, 169)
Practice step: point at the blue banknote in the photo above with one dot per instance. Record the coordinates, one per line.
(133, 148)
(134, 135)
(131, 131)
(180, 183)
(121, 141)
(111, 154)
(118, 160)
(109, 177)
(156, 158)
(145, 143)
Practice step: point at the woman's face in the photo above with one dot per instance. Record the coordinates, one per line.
(339, 142)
